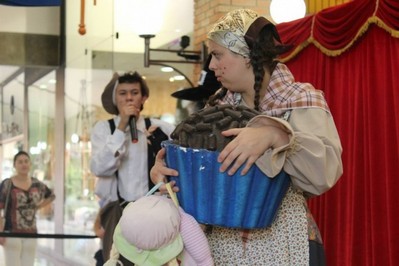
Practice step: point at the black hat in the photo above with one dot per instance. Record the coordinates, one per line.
(208, 85)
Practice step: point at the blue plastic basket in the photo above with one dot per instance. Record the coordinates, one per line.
(215, 198)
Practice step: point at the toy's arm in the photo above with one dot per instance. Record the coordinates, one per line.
(196, 247)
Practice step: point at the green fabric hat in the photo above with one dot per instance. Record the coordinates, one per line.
(147, 257)
(148, 233)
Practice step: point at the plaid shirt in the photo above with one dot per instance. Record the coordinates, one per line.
(284, 94)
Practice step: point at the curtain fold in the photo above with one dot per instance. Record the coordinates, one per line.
(334, 30)
(359, 217)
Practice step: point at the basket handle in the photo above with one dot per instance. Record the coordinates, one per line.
(168, 188)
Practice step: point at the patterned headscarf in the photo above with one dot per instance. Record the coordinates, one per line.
(237, 30)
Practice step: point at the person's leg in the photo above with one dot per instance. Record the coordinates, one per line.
(28, 253)
(317, 256)
(12, 251)
(98, 256)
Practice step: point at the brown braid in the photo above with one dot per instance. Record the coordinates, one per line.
(263, 57)
(259, 72)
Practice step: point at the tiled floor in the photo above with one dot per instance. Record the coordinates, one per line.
(38, 261)
(46, 258)
(75, 251)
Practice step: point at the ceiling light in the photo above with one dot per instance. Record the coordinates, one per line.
(167, 69)
(287, 10)
(146, 16)
(179, 77)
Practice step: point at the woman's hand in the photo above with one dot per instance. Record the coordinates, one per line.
(160, 171)
(45, 202)
(248, 145)
(2, 241)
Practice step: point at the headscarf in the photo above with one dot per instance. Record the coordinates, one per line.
(237, 31)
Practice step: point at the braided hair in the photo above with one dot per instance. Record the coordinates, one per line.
(263, 57)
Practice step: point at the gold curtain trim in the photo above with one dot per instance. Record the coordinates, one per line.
(374, 19)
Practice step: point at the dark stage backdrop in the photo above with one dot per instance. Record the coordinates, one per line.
(351, 52)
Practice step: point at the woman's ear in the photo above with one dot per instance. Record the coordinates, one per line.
(144, 99)
(247, 62)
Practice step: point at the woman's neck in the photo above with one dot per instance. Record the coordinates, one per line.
(22, 181)
(21, 177)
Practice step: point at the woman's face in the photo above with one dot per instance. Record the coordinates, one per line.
(22, 164)
(231, 69)
(129, 94)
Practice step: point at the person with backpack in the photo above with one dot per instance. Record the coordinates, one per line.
(124, 149)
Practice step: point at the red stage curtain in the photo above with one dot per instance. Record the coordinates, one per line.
(359, 217)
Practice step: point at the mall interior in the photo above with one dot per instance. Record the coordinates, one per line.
(56, 58)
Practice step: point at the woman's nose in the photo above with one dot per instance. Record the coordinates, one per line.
(212, 65)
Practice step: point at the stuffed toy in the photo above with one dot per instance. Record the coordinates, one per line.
(154, 231)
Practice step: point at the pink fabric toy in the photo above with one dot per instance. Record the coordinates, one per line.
(153, 231)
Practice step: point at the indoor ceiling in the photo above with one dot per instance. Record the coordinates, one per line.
(109, 34)
(117, 35)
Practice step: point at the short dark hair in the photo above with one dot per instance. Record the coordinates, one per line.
(134, 77)
(20, 153)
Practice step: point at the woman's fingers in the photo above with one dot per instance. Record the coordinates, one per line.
(247, 146)
(160, 171)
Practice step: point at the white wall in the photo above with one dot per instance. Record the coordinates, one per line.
(20, 20)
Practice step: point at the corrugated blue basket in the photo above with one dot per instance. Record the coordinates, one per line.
(215, 198)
